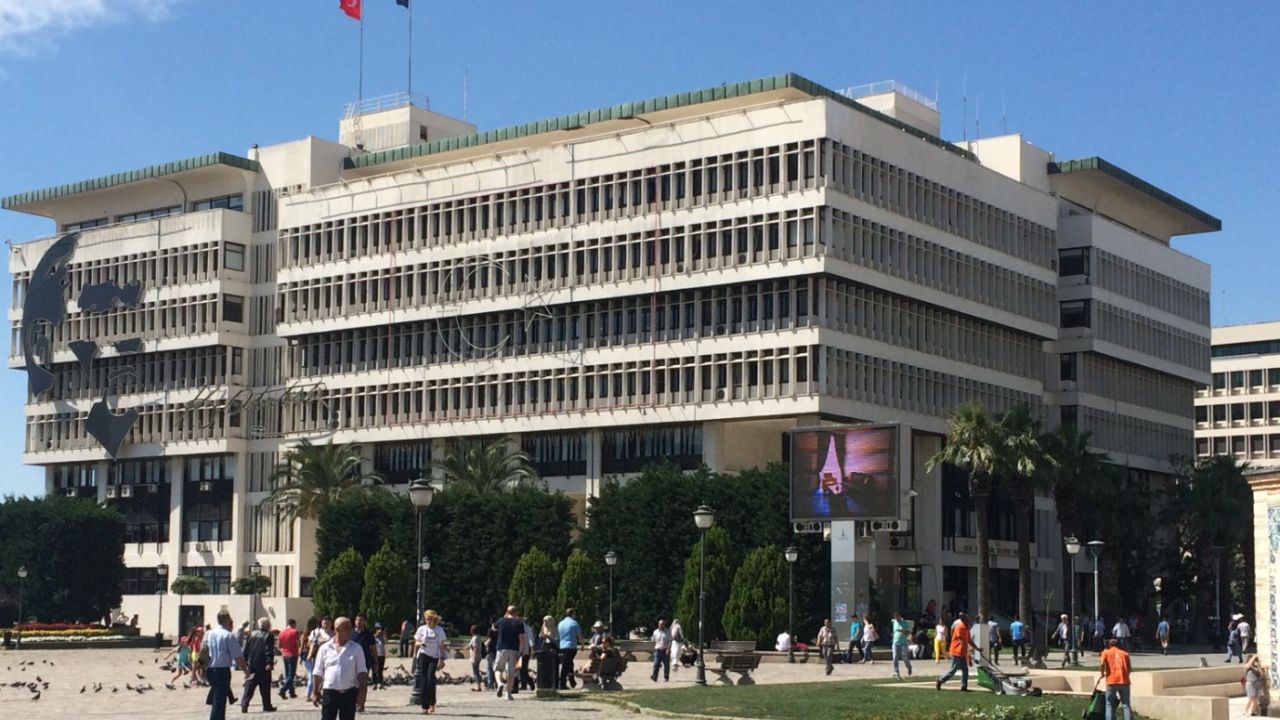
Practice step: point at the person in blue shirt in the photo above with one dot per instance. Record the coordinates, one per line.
(1162, 634)
(224, 652)
(855, 640)
(570, 633)
(1017, 632)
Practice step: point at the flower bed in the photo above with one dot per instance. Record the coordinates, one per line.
(67, 632)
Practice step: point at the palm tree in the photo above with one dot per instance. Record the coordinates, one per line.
(971, 445)
(1072, 475)
(484, 465)
(1020, 456)
(313, 476)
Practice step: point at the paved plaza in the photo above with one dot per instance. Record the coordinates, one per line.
(121, 672)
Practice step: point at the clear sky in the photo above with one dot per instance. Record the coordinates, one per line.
(1183, 94)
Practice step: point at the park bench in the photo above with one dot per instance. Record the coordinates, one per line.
(604, 672)
(737, 656)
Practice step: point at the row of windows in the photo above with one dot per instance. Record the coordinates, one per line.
(897, 253)
(886, 185)
(736, 241)
(1256, 380)
(229, 202)
(1258, 347)
(402, 462)
(177, 317)
(1254, 413)
(748, 173)
(1117, 380)
(155, 424)
(1132, 330)
(1133, 436)
(1150, 287)
(148, 372)
(1258, 446)
(269, 530)
(710, 312)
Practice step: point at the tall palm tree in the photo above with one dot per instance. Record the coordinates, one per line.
(484, 465)
(1019, 458)
(1072, 475)
(971, 445)
(312, 476)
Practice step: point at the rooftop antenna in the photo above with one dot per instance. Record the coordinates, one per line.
(977, 119)
(964, 104)
(1004, 116)
(466, 83)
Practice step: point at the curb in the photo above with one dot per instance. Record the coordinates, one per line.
(641, 710)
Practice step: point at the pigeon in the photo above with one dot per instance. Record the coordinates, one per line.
(1204, 663)
(115, 689)
(44, 662)
(169, 686)
(45, 684)
(127, 686)
(97, 688)
(140, 677)
(35, 697)
(156, 661)
(39, 679)
(82, 689)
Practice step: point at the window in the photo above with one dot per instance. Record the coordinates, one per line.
(84, 225)
(1202, 413)
(1219, 381)
(1075, 313)
(1255, 411)
(1219, 413)
(218, 577)
(1237, 412)
(227, 202)
(1074, 261)
(1068, 367)
(149, 214)
(233, 256)
(139, 581)
(1273, 376)
(1068, 414)
(233, 308)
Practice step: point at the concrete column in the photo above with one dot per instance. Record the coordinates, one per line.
(239, 517)
(592, 451)
(103, 474)
(843, 582)
(439, 449)
(713, 445)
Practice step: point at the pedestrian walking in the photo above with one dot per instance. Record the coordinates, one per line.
(260, 659)
(1018, 638)
(1099, 634)
(526, 682)
(379, 656)
(312, 637)
(341, 677)
(406, 637)
(242, 633)
(828, 644)
(677, 641)
(199, 657)
(869, 638)
(430, 651)
(1114, 666)
(511, 642)
(362, 635)
(224, 653)
(1062, 635)
(1255, 687)
(958, 649)
(994, 643)
(570, 634)
(1162, 634)
(491, 654)
(1121, 633)
(184, 661)
(1233, 641)
(288, 642)
(939, 640)
(661, 652)
(1246, 632)
(475, 654)
(901, 637)
(855, 641)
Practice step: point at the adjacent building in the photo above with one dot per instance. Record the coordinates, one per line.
(685, 277)
(1238, 412)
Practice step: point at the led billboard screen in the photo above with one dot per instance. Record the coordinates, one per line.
(845, 473)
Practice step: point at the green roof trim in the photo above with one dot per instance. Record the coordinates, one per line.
(628, 110)
(130, 176)
(1098, 164)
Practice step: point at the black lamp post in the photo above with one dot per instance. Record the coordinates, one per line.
(1217, 594)
(703, 517)
(22, 578)
(162, 574)
(420, 494)
(1073, 549)
(611, 559)
(255, 571)
(791, 553)
(1095, 551)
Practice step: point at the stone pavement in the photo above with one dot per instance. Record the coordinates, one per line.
(67, 671)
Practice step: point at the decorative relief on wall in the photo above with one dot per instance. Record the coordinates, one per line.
(1273, 544)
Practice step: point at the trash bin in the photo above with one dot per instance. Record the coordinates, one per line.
(8, 639)
(547, 667)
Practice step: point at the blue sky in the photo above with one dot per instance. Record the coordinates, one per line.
(1183, 94)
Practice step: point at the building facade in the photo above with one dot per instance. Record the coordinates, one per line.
(1238, 411)
(686, 277)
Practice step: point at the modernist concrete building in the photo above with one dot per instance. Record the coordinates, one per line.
(1238, 412)
(685, 277)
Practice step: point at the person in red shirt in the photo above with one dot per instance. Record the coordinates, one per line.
(288, 644)
(959, 652)
(1115, 670)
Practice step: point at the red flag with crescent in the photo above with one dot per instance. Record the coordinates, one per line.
(351, 8)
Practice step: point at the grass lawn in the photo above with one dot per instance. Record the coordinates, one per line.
(851, 700)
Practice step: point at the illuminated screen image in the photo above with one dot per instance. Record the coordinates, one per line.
(844, 473)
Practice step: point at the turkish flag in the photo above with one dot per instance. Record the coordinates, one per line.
(351, 8)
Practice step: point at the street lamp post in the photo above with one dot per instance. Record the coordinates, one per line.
(162, 574)
(255, 571)
(703, 517)
(420, 494)
(1217, 593)
(1073, 549)
(22, 579)
(791, 553)
(611, 559)
(1095, 550)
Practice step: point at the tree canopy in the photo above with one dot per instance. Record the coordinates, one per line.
(312, 476)
(484, 465)
(337, 590)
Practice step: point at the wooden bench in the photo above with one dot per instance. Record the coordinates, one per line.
(604, 672)
(737, 656)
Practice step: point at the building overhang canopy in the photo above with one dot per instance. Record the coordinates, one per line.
(1109, 190)
(45, 201)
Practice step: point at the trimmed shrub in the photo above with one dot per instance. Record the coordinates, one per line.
(757, 606)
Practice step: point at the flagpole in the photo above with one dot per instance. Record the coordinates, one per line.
(409, 83)
(360, 81)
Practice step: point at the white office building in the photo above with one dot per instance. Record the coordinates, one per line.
(1238, 412)
(685, 277)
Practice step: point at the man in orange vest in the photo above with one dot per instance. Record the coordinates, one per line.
(1115, 669)
(959, 652)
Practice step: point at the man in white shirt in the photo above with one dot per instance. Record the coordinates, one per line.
(341, 677)
(677, 641)
(661, 652)
(1245, 632)
(1121, 632)
(784, 642)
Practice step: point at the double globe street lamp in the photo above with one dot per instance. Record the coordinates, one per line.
(791, 554)
(704, 517)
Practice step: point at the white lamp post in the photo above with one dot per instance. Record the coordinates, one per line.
(703, 517)
(1073, 549)
(254, 571)
(611, 559)
(791, 553)
(420, 494)
(1095, 551)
